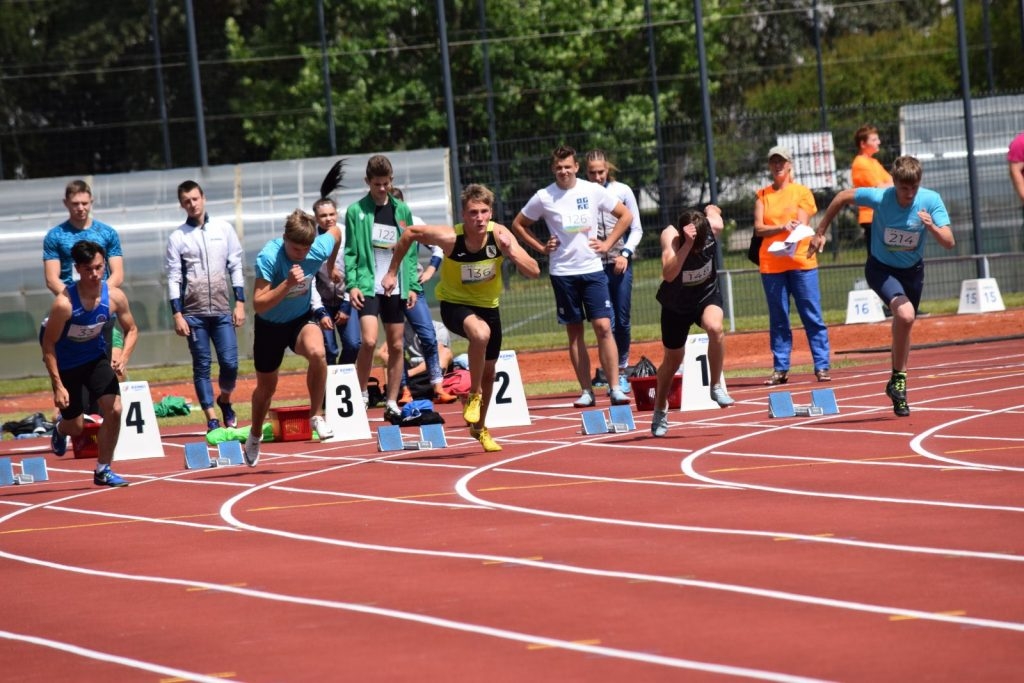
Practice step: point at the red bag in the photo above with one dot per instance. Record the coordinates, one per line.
(457, 382)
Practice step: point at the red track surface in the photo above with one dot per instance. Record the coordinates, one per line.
(859, 546)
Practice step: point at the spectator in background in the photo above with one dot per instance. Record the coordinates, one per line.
(75, 356)
(330, 285)
(58, 265)
(780, 208)
(689, 295)
(282, 292)
(203, 263)
(904, 215)
(571, 207)
(1015, 157)
(418, 318)
(469, 290)
(618, 261)
(373, 226)
(867, 172)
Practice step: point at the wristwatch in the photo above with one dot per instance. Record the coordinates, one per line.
(627, 253)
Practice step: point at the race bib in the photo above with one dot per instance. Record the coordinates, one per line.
(575, 222)
(695, 277)
(482, 271)
(384, 236)
(899, 239)
(84, 333)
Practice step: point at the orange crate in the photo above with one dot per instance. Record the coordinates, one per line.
(291, 423)
(644, 389)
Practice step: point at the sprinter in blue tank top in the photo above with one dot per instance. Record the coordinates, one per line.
(75, 355)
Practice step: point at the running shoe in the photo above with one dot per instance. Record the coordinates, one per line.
(251, 451)
(624, 385)
(617, 397)
(212, 424)
(896, 390)
(319, 425)
(586, 400)
(230, 419)
(471, 413)
(720, 396)
(106, 477)
(58, 441)
(485, 439)
(392, 414)
(659, 423)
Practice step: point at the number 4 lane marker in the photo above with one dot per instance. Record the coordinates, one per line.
(140, 433)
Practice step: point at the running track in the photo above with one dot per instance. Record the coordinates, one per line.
(859, 546)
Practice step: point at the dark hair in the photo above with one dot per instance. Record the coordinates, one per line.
(862, 135)
(300, 228)
(379, 166)
(76, 187)
(85, 251)
(562, 152)
(700, 221)
(907, 169)
(188, 186)
(323, 200)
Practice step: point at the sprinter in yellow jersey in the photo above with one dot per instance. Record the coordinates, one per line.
(469, 289)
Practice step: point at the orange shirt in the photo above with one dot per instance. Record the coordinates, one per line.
(780, 207)
(867, 172)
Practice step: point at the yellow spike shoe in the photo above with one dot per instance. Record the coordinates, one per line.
(484, 437)
(471, 412)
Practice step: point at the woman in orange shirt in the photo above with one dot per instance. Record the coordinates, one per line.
(867, 172)
(780, 208)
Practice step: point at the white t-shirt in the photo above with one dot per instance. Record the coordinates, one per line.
(572, 217)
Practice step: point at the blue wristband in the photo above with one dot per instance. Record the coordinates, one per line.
(321, 313)
(175, 306)
(435, 261)
(240, 294)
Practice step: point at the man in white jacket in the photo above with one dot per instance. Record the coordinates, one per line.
(204, 273)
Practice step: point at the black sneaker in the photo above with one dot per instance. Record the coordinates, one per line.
(896, 390)
(600, 379)
(212, 424)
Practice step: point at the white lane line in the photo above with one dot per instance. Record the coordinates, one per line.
(426, 620)
(130, 662)
(916, 443)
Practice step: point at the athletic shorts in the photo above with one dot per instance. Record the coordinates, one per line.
(86, 383)
(581, 297)
(391, 309)
(675, 324)
(454, 317)
(271, 339)
(889, 282)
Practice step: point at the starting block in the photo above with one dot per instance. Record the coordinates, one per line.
(620, 419)
(197, 455)
(389, 438)
(823, 402)
(32, 470)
